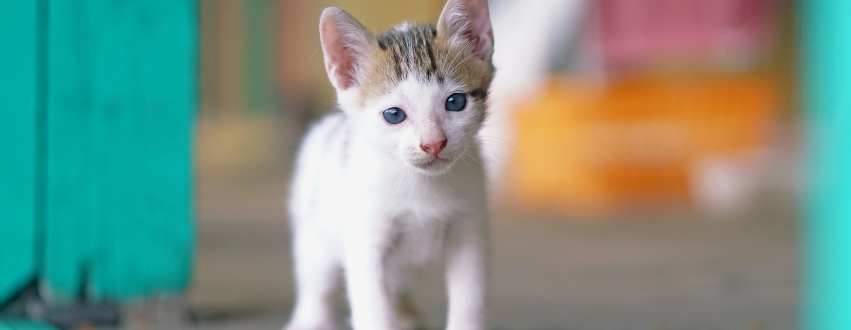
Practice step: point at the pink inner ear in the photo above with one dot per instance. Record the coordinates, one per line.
(342, 67)
(476, 41)
(339, 60)
(479, 31)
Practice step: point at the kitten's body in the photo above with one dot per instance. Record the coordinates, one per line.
(378, 200)
(333, 209)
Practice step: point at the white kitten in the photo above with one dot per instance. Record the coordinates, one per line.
(395, 180)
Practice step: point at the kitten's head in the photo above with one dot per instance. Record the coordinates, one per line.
(419, 88)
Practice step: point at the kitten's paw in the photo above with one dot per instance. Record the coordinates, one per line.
(323, 326)
(408, 314)
(411, 324)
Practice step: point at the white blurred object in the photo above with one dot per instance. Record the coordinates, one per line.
(527, 35)
(724, 186)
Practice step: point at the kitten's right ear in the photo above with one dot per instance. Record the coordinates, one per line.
(467, 23)
(345, 43)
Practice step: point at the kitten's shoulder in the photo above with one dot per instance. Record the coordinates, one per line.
(327, 125)
(324, 134)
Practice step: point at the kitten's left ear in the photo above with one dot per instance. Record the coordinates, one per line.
(345, 44)
(468, 22)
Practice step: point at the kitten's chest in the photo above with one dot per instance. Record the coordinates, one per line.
(416, 241)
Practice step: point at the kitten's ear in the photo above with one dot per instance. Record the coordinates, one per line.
(345, 43)
(468, 22)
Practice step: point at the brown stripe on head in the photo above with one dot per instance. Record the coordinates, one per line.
(458, 48)
(419, 51)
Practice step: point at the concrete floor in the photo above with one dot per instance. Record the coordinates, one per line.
(674, 269)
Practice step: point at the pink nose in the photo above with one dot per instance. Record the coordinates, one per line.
(434, 148)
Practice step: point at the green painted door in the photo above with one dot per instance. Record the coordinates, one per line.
(826, 41)
(118, 101)
(18, 103)
(24, 325)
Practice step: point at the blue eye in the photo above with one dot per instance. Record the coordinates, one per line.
(456, 102)
(394, 115)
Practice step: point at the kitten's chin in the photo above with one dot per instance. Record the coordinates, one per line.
(435, 166)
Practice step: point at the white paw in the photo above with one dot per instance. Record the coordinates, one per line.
(324, 326)
(411, 323)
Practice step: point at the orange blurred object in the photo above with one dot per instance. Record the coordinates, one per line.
(587, 149)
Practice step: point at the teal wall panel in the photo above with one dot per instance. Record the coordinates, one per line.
(122, 98)
(24, 325)
(72, 171)
(97, 101)
(826, 81)
(18, 23)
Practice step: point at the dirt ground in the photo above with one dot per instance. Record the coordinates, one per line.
(671, 269)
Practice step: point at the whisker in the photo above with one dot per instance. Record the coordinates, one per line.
(397, 179)
(490, 159)
(496, 122)
(314, 52)
(453, 64)
(505, 143)
(458, 66)
(514, 149)
(464, 158)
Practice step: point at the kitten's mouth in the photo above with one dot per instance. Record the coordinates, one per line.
(434, 166)
(437, 161)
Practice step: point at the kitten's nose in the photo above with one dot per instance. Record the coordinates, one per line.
(434, 148)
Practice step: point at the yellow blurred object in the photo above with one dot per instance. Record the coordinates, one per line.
(587, 149)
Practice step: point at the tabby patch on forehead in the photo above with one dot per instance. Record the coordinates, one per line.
(426, 53)
(412, 51)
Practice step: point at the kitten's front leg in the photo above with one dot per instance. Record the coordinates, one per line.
(366, 282)
(466, 278)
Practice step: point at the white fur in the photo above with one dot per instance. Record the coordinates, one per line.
(364, 201)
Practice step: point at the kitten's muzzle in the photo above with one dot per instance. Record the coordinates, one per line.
(434, 147)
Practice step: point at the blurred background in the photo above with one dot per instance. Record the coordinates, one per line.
(644, 158)
(645, 162)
